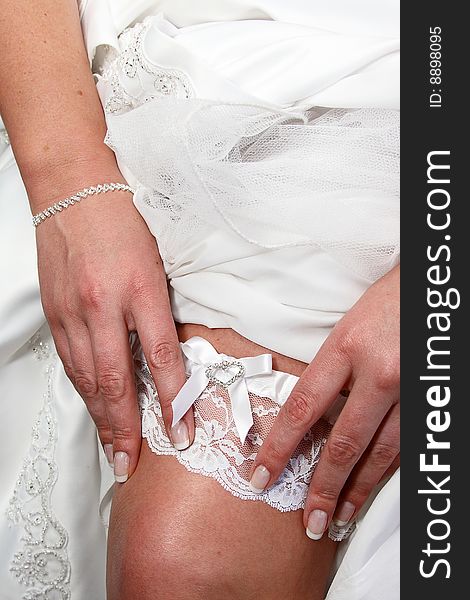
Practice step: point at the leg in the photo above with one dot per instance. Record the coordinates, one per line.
(175, 534)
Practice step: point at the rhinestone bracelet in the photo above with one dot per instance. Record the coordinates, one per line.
(90, 191)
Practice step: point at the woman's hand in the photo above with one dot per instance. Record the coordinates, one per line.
(361, 355)
(99, 268)
(101, 276)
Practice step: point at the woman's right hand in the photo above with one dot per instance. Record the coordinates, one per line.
(101, 276)
(99, 268)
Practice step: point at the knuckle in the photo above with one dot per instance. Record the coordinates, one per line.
(103, 427)
(112, 384)
(122, 433)
(383, 455)
(274, 455)
(388, 375)
(68, 308)
(346, 341)
(342, 450)
(326, 496)
(91, 296)
(140, 287)
(85, 382)
(298, 409)
(163, 355)
(359, 493)
(105, 435)
(102, 424)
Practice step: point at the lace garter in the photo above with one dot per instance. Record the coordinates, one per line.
(223, 390)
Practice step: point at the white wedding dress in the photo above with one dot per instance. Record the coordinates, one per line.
(311, 87)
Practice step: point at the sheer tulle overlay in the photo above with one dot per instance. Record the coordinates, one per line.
(324, 178)
(277, 177)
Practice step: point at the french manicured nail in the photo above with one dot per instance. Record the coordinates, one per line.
(108, 451)
(259, 480)
(316, 524)
(180, 435)
(344, 513)
(121, 467)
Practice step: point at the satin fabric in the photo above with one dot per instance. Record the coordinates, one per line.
(355, 57)
(285, 299)
(204, 363)
(352, 60)
(84, 477)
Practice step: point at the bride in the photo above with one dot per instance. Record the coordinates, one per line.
(200, 388)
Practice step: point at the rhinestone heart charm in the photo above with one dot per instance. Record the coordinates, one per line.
(227, 367)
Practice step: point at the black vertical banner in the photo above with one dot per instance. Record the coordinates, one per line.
(435, 320)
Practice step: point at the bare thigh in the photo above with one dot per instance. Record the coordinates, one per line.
(181, 536)
(175, 534)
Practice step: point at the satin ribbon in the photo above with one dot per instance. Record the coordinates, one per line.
(206, 367)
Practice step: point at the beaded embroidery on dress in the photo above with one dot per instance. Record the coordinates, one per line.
(42, 564)
(131, 70)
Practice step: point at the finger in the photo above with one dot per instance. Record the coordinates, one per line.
(349, 438)
(379, 457)
(63, 350)
(116, 385)
(81, 372)
(96, 409)
(315, 391)
(161, 348)
(391, 469)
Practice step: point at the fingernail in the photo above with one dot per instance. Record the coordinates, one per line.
(121, 467)
(344, 513)
(108, 450)
(180, 435)
(316, 524)
(259, 479)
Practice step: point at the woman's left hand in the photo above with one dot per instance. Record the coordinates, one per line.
(361, 355)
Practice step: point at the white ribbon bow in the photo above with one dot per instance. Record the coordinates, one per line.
(209, 366)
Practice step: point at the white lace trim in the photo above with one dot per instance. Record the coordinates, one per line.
(42, 565)
(149, 81)
(217, 451)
